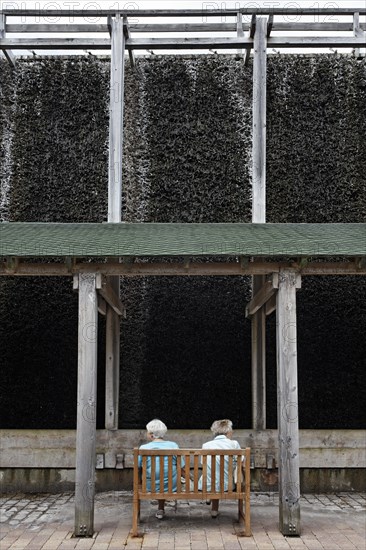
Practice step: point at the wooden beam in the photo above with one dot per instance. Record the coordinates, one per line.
(102, 305)
(270, 306)
(86, 407)
(110, 295)
(269, 25)
(21, 28)
(8, 53)
(251, 35)
(288, 11)
(175, 269)
(127, 35)
(178, 43)
(265, 292)
(287, 405)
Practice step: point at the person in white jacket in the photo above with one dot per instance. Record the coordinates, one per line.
(223, 432)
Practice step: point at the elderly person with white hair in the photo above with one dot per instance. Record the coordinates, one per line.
(156, 431)
(223, 432)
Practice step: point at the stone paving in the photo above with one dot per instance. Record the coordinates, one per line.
(44, 521)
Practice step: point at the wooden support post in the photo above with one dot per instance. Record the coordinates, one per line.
(239, 30)
(358, 32)
(86, 406)
(287, 404)
(259, 121)
(259, 216)
(251, 35)
(118, 41)
(112, 363)
(116, 120)
(258, 362)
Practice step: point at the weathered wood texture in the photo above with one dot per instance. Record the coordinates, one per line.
(8, 53)
(258, 327)
(56, 448)
(86, 406)
(170, 27)
(188, 269)
(223, 43)
(184, 12)
(287, 405)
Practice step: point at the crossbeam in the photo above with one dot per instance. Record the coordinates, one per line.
(182, 13)
(37, 28)
(189, 269)
(105, 290)
(180, 43)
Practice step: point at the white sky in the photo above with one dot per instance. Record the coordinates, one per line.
(182, 4)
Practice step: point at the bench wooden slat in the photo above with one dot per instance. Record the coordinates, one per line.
(153, 474)
(213, 473)
(195, 472)
(161, 480)
(170, 474)
(222, 473)
(187, 466)
(230, 473)
(144, 460)
(204, 473)
(179, 474)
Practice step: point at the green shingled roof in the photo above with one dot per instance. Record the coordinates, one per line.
(163, 239)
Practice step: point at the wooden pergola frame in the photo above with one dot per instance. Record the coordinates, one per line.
(274, 283)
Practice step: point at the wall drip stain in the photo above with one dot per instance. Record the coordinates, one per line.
(185, 345)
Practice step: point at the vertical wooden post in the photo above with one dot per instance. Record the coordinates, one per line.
(86, 406)
(259, 216)
(258, 362)
(287, 404)
(114, 213)
(259, 121)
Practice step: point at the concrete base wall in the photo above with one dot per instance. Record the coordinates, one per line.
(57, 480)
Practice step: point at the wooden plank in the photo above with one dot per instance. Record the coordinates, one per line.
(190, 43)
(295, 11)
(265, 292)
(38, 28)
(163, 269)
(287, 405)
(86, 407)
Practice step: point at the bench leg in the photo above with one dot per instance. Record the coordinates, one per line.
(248, 531)
(240, 510)
(135, 516)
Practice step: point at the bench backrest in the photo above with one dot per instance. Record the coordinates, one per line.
(207, 464)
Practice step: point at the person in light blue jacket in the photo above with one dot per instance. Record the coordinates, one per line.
(156, 431)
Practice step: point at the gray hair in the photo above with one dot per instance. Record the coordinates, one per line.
(157, 428)
(222, 427)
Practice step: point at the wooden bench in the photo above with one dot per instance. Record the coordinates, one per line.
(238, 483)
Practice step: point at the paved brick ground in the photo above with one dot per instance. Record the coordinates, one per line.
(329, 522)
